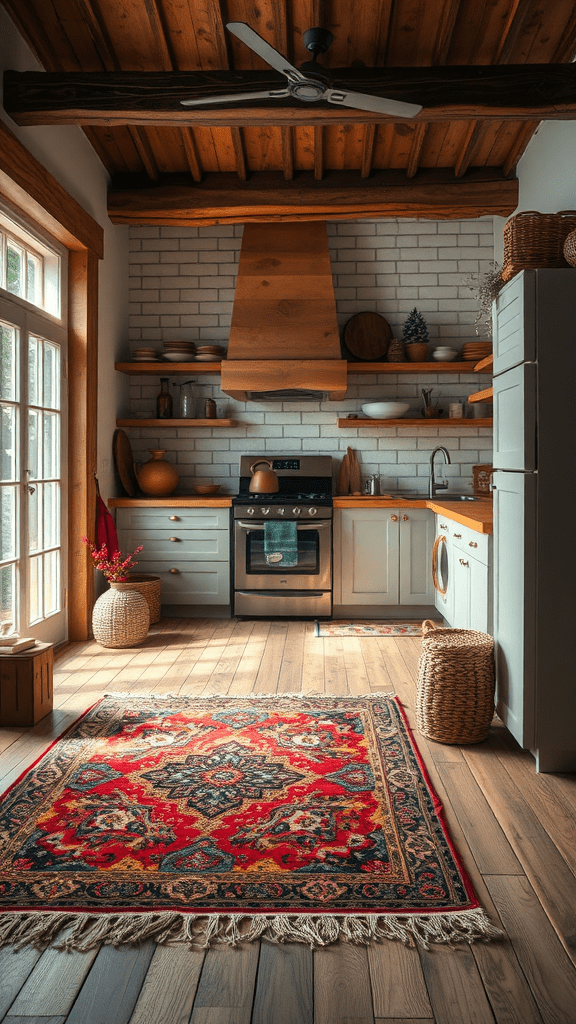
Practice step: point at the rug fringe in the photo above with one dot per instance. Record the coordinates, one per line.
(276, 697)
(85, 931)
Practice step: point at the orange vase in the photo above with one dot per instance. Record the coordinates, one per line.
(158, 477)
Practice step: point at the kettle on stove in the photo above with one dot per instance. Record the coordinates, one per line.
(263, 481)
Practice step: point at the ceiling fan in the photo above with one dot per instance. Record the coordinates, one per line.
(311, 82)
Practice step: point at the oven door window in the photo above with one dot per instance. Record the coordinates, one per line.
(308, 555)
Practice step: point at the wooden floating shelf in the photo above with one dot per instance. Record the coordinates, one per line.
(421, 422)
(177, 369)
(167, 369)
(482, 396)
(177, 423)
(485, 365)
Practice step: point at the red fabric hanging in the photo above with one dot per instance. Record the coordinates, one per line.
(105, 528)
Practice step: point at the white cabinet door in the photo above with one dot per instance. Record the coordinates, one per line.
(461, 587)
(416, 539)
(514, 602)
(514, 323)
(369, 554)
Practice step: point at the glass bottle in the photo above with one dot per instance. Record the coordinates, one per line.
(164, 401)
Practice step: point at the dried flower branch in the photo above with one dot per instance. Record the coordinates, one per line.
(116, 567)
(486, 286)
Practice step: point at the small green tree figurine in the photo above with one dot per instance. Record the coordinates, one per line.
(415, 330)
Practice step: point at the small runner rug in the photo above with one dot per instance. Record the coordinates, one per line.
(189, 819)
(349, 627)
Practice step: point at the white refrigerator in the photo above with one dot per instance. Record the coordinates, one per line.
(535, 513)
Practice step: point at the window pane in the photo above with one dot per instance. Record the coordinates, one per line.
(8, 339)
(51, 582)
(51, 444)
(34, 445)
(8, 442)
(51, 376)
(8, 596)
(51, 504)
(35, 518)
(14, 269)
(8, 509)
(35, 591)
(34, 371)
(34, 279)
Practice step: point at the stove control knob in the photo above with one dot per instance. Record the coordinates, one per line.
(265, 511)
(281, 512)
(296, 511)
(250, 511)
(312, 511)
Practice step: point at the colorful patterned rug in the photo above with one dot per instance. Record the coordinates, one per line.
(349, 627)
(190, 819)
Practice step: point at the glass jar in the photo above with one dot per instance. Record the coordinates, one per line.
(164, 401)
(187, 404)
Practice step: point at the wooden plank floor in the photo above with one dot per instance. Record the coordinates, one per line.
(515, 830)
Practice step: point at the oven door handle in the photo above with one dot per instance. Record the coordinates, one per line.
(321, 524)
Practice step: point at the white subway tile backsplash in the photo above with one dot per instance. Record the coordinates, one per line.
(182, 286)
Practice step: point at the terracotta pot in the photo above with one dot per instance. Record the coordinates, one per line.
(158, 477)
(417, 352)
(121, 617)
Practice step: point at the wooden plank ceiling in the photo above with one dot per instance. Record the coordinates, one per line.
(307, 148)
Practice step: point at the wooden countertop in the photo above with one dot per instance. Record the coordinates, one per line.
(477, 515)
(174, 501)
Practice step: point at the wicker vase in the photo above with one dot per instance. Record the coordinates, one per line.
(151, 588)
(121, 617)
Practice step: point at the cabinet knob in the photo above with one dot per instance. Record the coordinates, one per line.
(405, 519)
(173, 539)
(457, 535)
(174, 519)
(394, 519)
(175, 572)
(443, 526)
(472, 544)
(461, 560)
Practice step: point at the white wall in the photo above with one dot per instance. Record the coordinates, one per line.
(182, 283)
(67, 154)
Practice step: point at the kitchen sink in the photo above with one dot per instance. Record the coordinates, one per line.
(437, 497)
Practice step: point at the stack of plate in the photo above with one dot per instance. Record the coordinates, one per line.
(209, 353)
(144, 355)
(475, 350)
(179, 351)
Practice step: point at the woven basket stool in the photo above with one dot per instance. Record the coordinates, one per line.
(456, 682)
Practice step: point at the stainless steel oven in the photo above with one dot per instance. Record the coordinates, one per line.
(270, 578)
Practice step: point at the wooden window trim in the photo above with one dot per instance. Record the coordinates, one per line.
(41, 198)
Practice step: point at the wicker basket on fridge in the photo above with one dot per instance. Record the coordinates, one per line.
(151, 588)
(456, 681)
(533, 240)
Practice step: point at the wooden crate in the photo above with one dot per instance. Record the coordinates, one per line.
(26, 693)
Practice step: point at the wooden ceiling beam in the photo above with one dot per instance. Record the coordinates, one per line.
(318, 152)
(287, 145)
(367, 150)
(239, 154)
(222, 198)
(466, 154)
(415, 150)
(191, 152)
(503, 92)
(519, 146)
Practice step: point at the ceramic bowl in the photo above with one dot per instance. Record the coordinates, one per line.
(207, 488)
(385, 410)
(444, 354)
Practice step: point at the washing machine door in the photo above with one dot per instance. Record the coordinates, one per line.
(442, 554)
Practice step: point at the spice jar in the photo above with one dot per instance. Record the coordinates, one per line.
(210, 413)
(164, 401)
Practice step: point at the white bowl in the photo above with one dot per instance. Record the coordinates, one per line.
(385, 410)
(444, 354)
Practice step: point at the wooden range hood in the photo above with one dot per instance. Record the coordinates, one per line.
(284, 339)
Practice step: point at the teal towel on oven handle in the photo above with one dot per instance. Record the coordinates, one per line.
(281, 538)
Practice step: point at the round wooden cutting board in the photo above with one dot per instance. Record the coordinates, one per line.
(125, 462)
(367, 336)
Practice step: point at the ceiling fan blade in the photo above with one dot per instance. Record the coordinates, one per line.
(377, 104)
(238, 97)
(243, 31)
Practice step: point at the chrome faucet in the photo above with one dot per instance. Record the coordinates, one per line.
(433, 486)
